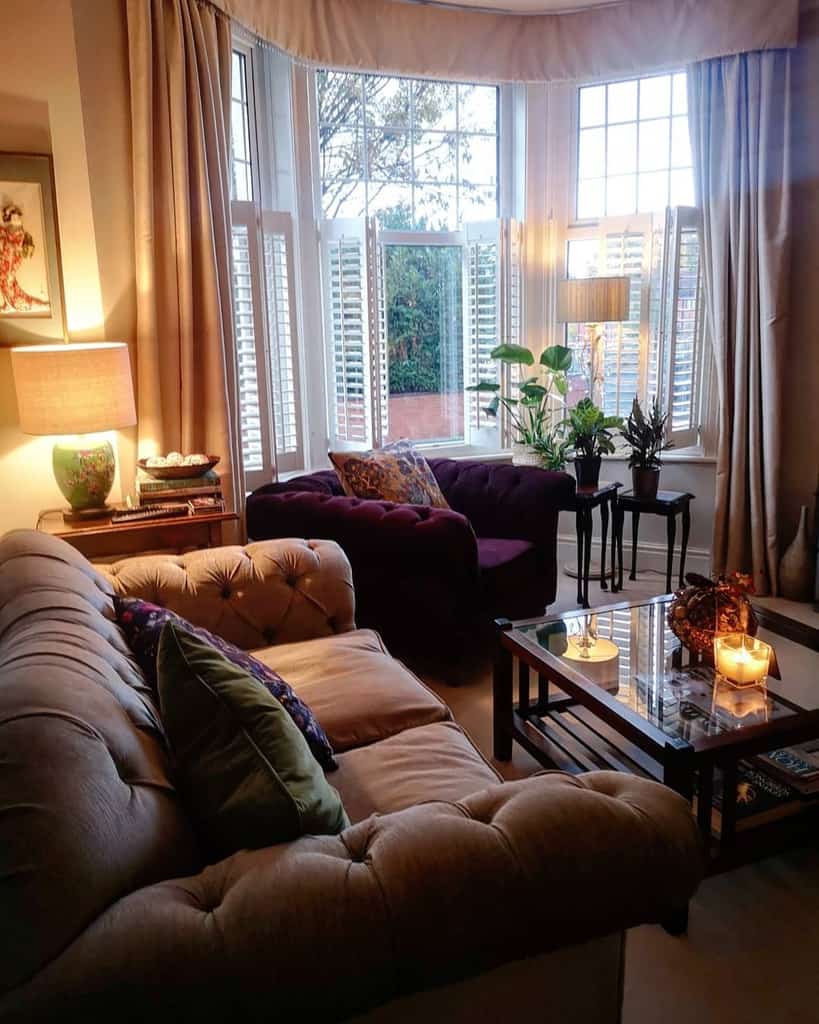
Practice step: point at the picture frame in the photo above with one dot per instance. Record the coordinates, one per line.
(32, 300)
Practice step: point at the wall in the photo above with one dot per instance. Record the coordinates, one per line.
(63, 90)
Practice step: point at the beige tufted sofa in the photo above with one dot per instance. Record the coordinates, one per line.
(452, 897)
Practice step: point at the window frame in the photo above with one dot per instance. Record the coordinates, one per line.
(509, 165)
(562, 141)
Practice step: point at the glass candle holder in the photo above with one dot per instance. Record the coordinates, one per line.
(741, 659)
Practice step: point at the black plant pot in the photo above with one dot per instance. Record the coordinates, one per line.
(645, 482)
(587, 470)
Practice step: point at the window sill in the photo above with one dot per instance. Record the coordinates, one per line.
(685, 456)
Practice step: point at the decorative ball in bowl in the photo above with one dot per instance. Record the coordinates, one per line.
(176, 466)
(707, 607)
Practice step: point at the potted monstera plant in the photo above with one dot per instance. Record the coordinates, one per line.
(589, 436)
(531, 410)
(647, 437)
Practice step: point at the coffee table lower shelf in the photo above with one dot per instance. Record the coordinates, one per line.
(567, 736)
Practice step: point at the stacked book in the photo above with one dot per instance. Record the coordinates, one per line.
(202, 494)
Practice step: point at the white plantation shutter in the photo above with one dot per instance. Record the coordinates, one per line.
(357, 347)
(681, 323)
(282, 348)
(625, 348)
(249, 324)
(653, 380)
(482, 322)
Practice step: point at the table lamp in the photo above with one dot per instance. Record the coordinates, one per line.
(593, 301)
(77, 389)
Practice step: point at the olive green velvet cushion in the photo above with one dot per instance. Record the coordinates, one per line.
(243, 769)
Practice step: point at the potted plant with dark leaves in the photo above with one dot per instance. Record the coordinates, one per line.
(647, 437)
(532, 411)
(589, 436)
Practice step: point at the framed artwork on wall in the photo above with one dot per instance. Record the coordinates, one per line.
(31, 285)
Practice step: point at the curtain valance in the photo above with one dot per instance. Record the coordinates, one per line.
(632, 36)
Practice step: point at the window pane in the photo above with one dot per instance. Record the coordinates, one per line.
(341, 153)
(436, 208)
(653, 195)
(477, 203)
(477, 108)
(392, 205)
(654, 144)
(424, 312)
(655, 96)
(592, 105)
(622, 101)
(582, 257)
(339, 97)
(387, 101)
(479, 159)
(621, 155)
(435, 156)
(680, 143)
(621, 194)
(344, 199)
(434, 105)
(680, 91)
(591, 161)
(591, 201)
(682, 187)
(388, 155)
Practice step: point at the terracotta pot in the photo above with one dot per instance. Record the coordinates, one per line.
(644, 483)
(587, 470)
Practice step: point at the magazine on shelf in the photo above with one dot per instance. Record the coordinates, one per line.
(148, 485)
(798, 766)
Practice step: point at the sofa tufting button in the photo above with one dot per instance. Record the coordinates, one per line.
(269, 634)
(226, 591)
(291, 580)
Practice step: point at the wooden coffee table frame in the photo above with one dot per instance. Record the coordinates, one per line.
(587, 729)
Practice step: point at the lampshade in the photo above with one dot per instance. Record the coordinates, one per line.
(73, 389)
(593, 300)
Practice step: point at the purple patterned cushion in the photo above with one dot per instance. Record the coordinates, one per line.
(142, 624)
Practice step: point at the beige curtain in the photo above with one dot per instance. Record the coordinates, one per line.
(180, 59)
(625, 38)
(739, 114)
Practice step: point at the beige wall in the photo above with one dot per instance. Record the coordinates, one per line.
(63, 90)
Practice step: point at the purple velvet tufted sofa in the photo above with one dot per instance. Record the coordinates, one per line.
(424, 572)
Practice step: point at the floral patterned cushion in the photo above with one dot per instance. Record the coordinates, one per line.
(142, 623)
(396, 472)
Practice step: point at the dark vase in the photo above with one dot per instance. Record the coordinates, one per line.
(587, 470)
(644, 483)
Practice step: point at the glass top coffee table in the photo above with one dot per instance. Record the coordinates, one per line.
(613, 689)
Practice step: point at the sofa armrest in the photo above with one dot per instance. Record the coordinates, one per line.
(275, 591)
(326, 926)
(502, 500)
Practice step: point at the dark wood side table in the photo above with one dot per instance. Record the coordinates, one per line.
(603, 496)
(667, 503)
(100, 538)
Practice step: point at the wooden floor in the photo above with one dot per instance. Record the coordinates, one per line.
(752, 951)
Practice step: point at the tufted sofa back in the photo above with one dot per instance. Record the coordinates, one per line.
(254, 596)
(87, 810)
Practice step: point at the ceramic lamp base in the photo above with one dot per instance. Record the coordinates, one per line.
(84, 471)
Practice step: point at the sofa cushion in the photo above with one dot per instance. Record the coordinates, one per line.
(397, 472)
(432, 762)
(143, 622)
(357, 691)
(511, 577)
(244, 770)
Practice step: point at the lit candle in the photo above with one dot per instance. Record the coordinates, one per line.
(741, 659)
